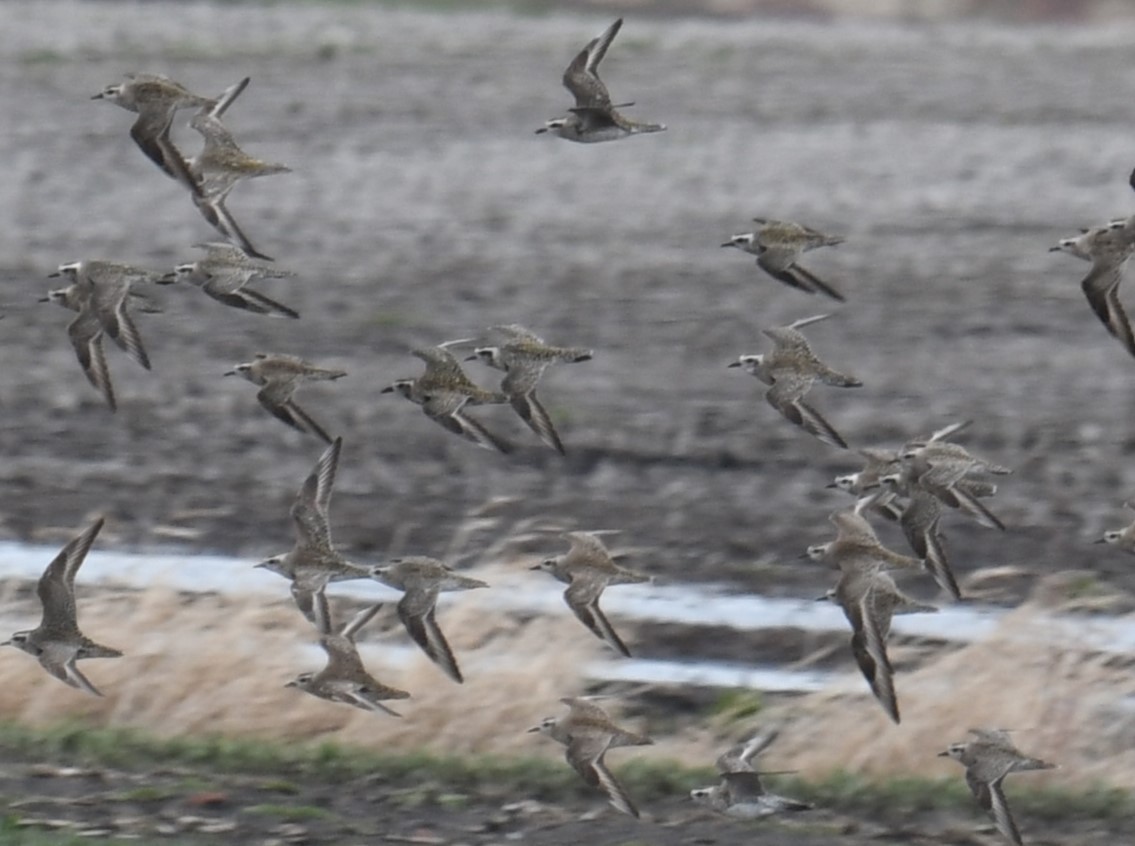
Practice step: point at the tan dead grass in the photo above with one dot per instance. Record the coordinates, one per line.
(210, 664)
(1066, 704)
(218, 665)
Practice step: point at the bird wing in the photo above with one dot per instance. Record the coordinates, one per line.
(582, 597)
(366, 696)
(585, 754)
(311, 508)
(581, 78)
(805, 276)
(74, 677)
(537, 419)
(473, 430)
(56, 587)
(515, 332)
(152, 125)
(214, 211)
(86, 339)
(119, 325)
(870, 650)
(416, 610)
(1101, 287)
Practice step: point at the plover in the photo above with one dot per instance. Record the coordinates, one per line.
(85, 333)
(111, 288)
(224, 274)
(524, 356)
(920, 524)
(880, 462)
(344, 678)
(422, 579)
(857, 546)
(313, 561)
(944, 469)
(869, 599)
(279, 376)
(155, 99)
(740, 793)
(217, 169)
(1123, 538)
(588, 569)
(57, 641)
(594, 118)
(1108, 248)
(988, 758)
(778, 245)
(588, 732)
(791, 369)
(444, 390)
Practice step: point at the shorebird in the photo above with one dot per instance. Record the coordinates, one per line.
(944, 469)
(57, 641)
(919, 523)
(594, 118)
(156, 98)
(588, 569)
(588, 732)
(988, 758)
(524, 356)
(778, 245)
(1108, 248)
(313, 561)
(791, 369)
(881, 462)
(279, 376)
(444, 390)
(224, 274)
(1123, 538)
(857, 547)
(869, 599)
(111, 287)
(344, 678)
(423, 579)
(217, 169)
(86, 332)
(740, 793)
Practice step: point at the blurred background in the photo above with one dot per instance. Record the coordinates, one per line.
(951, 143)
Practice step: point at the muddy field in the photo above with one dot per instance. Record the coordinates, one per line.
(190, 805)
(423, 208)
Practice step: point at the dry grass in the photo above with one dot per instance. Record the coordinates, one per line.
(1067, 705)
(218, 665)
(212, 665)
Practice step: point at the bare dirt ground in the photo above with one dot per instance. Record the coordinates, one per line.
(422, 208)
(193, 805)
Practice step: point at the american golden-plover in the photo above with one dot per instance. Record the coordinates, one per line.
(594, 118)
(988, 758)
(791, 369)
(524, 356)
(588, 568)
(1108, 248)
(279, 376)
(344, 678)
(57, 641)
(313, 561)
(444, 390)
(588, 732)
(778, 245)
(422, 579)
(224, 274)
(740, 793)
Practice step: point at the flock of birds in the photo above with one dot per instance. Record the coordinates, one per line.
(911, 484)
